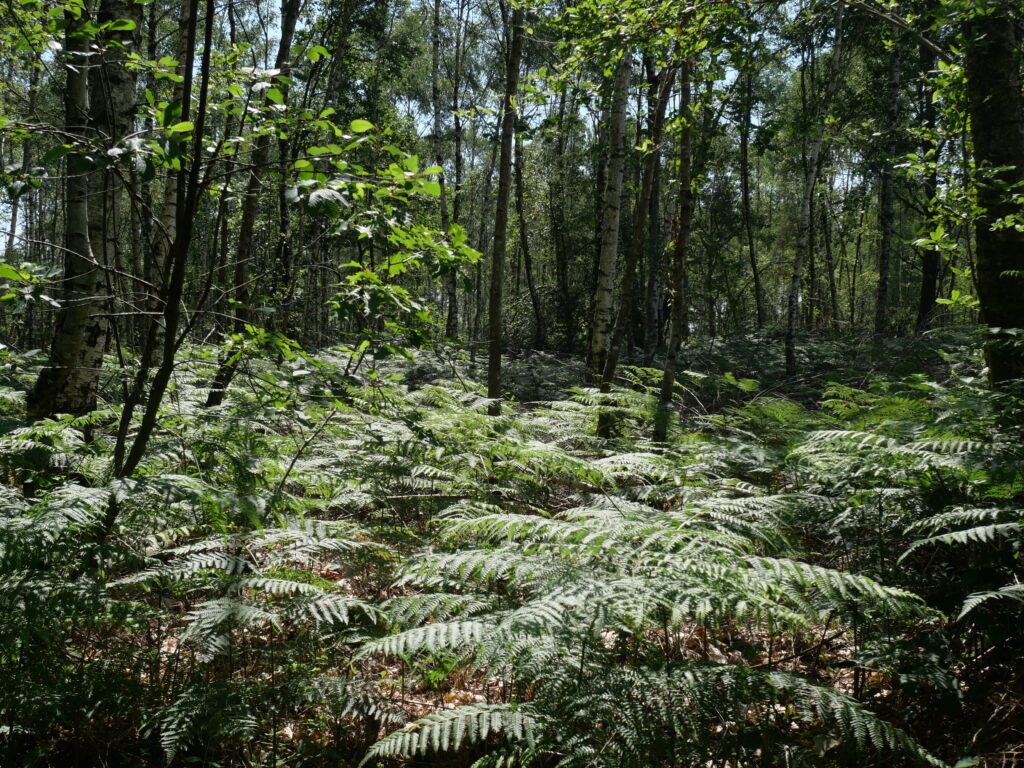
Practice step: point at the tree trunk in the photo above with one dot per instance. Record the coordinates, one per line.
(611, 209)
(127, 459)
(930, 257)
(481, 239)
(832, 320)
(451, 282)
(655, 266)
(636, 243)
(508, 120)
(887, 196)
(70, 382)
(559, 228)
(157, 262)
(748, 223)
(452, 319)
(539, 337)
(250, 206)
(996, 107)
(678, 316)
(810, 182)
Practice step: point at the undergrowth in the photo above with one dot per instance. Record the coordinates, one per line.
(337, 569)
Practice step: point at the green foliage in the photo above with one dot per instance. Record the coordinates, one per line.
(331, 568)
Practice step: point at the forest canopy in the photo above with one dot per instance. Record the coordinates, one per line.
(492, 383)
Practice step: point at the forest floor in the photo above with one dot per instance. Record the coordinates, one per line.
(324, 558)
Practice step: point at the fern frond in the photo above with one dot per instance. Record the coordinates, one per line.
(449, 730)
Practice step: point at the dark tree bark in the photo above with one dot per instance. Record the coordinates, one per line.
(559, 227)
(678, 316)
(637, 240)
(244, 253)
(887, 195)
(832, 320)
(451, 282)
(655, 287)
(930, 257)
(996, 107)
(508, 121)
(127, 456)
(748, 222)
(539, 336)
(810, 182)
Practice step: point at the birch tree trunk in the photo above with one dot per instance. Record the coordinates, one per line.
(559, 227)
(611, 209)
(70, 381)
(636, 244)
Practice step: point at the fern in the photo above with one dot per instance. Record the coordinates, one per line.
(448, 731)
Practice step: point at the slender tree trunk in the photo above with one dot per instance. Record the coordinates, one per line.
(748, 219)
(451, 282)
(655, 266)
(478, 303)
(244, 253)
(452, 319)
(26, 165)
(127, 459)
(156, 266)
(855, 271)
(611, 210)
(830, 265)
(623, 315)
(678, 317)
(282, 282)
(508, 120)
(559, 227)
(653, 286)
(810, 182)
(812, 304)
(600, 151)
(996, 107)
(930, 257)
(887, 196)
(539, 336)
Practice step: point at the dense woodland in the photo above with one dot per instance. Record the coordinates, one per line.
(464, 383)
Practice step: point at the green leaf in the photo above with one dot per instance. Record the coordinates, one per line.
(360, 126)
(7, 272)
(56, 153)
(182, 127)
(316, 53)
